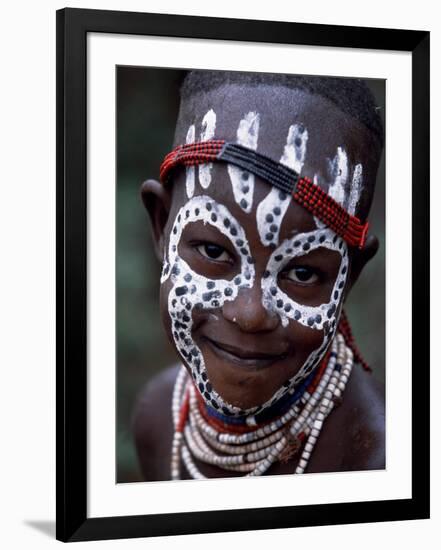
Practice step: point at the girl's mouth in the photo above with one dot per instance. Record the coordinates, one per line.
(245, 358)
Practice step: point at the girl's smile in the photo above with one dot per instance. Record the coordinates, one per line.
(275, 307)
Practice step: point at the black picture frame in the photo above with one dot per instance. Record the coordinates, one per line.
(73, 25)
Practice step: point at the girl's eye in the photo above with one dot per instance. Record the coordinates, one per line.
(213, 252)
(302, 275)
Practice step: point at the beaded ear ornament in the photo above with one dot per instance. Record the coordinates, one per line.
(302, 189)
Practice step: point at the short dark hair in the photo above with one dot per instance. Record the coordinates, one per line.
(350, 95)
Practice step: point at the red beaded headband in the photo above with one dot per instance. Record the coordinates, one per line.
(303, 190)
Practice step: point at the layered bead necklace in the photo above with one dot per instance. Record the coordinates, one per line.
(252, 448)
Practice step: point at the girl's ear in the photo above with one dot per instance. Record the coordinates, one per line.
(157, 200)
(360, 258)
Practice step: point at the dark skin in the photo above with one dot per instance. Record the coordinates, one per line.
(353, 436)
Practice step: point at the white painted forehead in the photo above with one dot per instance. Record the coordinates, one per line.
(345, 179)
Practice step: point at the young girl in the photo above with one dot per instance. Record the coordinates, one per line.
(260, 223)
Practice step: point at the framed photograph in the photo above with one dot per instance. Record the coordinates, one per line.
(242, 275)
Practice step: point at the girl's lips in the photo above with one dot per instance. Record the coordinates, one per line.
(243, 358)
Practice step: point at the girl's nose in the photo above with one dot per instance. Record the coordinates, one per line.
(248, 312)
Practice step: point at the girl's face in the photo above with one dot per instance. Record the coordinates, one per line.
(252, 285)
(248, 319)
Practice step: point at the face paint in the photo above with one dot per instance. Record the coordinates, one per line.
(242, 182)
(323, 317)
(208, 128)
(339, 171)
(191, 290)
(269, 216)
(295, 148)
(272, 209)
(338, 189)
(190, 170)
(274, 299)
(356, 188)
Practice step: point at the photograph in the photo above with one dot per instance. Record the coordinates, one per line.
(250, 274)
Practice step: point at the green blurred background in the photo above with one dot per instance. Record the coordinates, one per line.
(147, 107)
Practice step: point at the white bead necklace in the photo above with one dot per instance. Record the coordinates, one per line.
(253, 452)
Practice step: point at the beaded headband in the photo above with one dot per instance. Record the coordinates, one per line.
(302, 189)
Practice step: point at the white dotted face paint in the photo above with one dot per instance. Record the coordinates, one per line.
(322, 317)
(316, 317)
(269, 223)
(295, 149)
(208, 128)
(190, 170)
(242, 182)
(192, 290)
(269, 216)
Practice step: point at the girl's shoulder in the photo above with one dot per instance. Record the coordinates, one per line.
(354, 433)
(366, 411)
(152, 425)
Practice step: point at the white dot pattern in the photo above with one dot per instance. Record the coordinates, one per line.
(273, 207)
(192, 290)
(242, 181)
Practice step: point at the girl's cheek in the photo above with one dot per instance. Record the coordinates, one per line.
(163, 304)
(303, 339)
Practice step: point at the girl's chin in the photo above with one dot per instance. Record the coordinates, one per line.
(243, 383)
